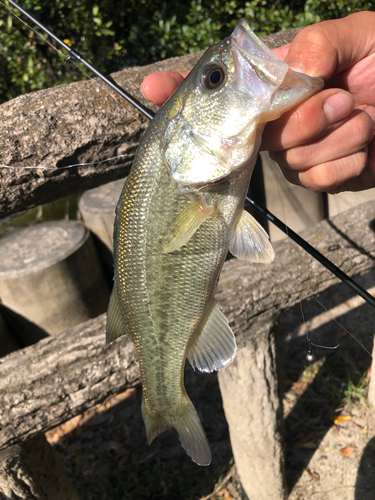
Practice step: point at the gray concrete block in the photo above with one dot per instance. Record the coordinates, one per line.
(98, 206)
(50, 275)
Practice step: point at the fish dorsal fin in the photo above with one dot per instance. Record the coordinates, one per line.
(250, 241)
(115, 323)
(186, 224)
(215, 348)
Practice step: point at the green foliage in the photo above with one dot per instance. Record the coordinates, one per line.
(116, 34)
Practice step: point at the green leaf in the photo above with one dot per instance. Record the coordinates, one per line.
(108, 32)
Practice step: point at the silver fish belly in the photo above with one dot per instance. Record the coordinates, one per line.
(180, 211)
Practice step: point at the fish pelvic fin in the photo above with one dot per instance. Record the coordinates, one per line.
(115, 323)
(186, 225)
(186, 422)
(250, 241)
(215, 348)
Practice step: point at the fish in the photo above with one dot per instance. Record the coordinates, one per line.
(181, 210)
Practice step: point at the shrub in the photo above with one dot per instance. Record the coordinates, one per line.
(117, 34)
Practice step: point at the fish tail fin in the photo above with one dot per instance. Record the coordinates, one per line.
(189, 428)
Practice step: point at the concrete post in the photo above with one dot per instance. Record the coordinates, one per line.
(98, 206)
(51, 277)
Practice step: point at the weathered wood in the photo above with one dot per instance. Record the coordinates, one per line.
(253, 409)
(32, 471)
(78, 123)
(60, 377)
(252, 298)
(248, 291)
(371, 389)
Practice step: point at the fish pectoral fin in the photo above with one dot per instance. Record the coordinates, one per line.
(250, 241)
(186, 224)
(115, 323)
(215, 348)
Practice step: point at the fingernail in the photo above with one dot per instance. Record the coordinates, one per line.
(143, 88)
(339, 105)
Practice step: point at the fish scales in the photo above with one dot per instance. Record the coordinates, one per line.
(180, 211)
(153, 278)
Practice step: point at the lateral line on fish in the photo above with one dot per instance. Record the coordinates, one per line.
(150, 114)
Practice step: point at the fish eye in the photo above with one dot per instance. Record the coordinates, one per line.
(213, 78)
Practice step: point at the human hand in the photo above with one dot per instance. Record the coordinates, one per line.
(326, 143)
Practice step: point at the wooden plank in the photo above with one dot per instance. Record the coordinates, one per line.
(62, 376)
(82, 122)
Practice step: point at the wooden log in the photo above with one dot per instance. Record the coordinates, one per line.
(50, 275)
(82, 122)
(8, 342)
(252, 297)
(371, 390)
(62, 376)
(33, 471)
(253, 409)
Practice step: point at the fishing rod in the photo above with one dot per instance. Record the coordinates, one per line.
(73, 53)
(258, 207)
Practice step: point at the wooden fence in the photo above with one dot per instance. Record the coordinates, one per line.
(60, 377)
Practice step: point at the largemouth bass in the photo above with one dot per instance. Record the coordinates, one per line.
(180, 211)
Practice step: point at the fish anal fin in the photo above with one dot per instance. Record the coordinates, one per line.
(215, 348)
(250, 241)
(115, 324)
(186, 224)
(186, 422)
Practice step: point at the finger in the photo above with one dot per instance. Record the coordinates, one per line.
(350, 173)
(158, 87)
(353, 135)
(331, 47)
(309, 121)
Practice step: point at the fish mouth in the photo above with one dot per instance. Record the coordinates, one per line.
(266, 76)
(263, 62)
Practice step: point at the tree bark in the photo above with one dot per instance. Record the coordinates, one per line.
(252, 297)
(253, 409)
(62, 376)
(32, 471)
(50, 382)
(83, 122)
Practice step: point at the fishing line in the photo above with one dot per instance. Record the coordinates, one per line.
(69, 166)
(66, 58)
(341, 326)
(310, 355)
(259, 208)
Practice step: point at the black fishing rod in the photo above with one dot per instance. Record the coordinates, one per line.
(73, 53)
(312, 251)
(259, 208)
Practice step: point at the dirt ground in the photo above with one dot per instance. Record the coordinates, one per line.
(329, 425)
